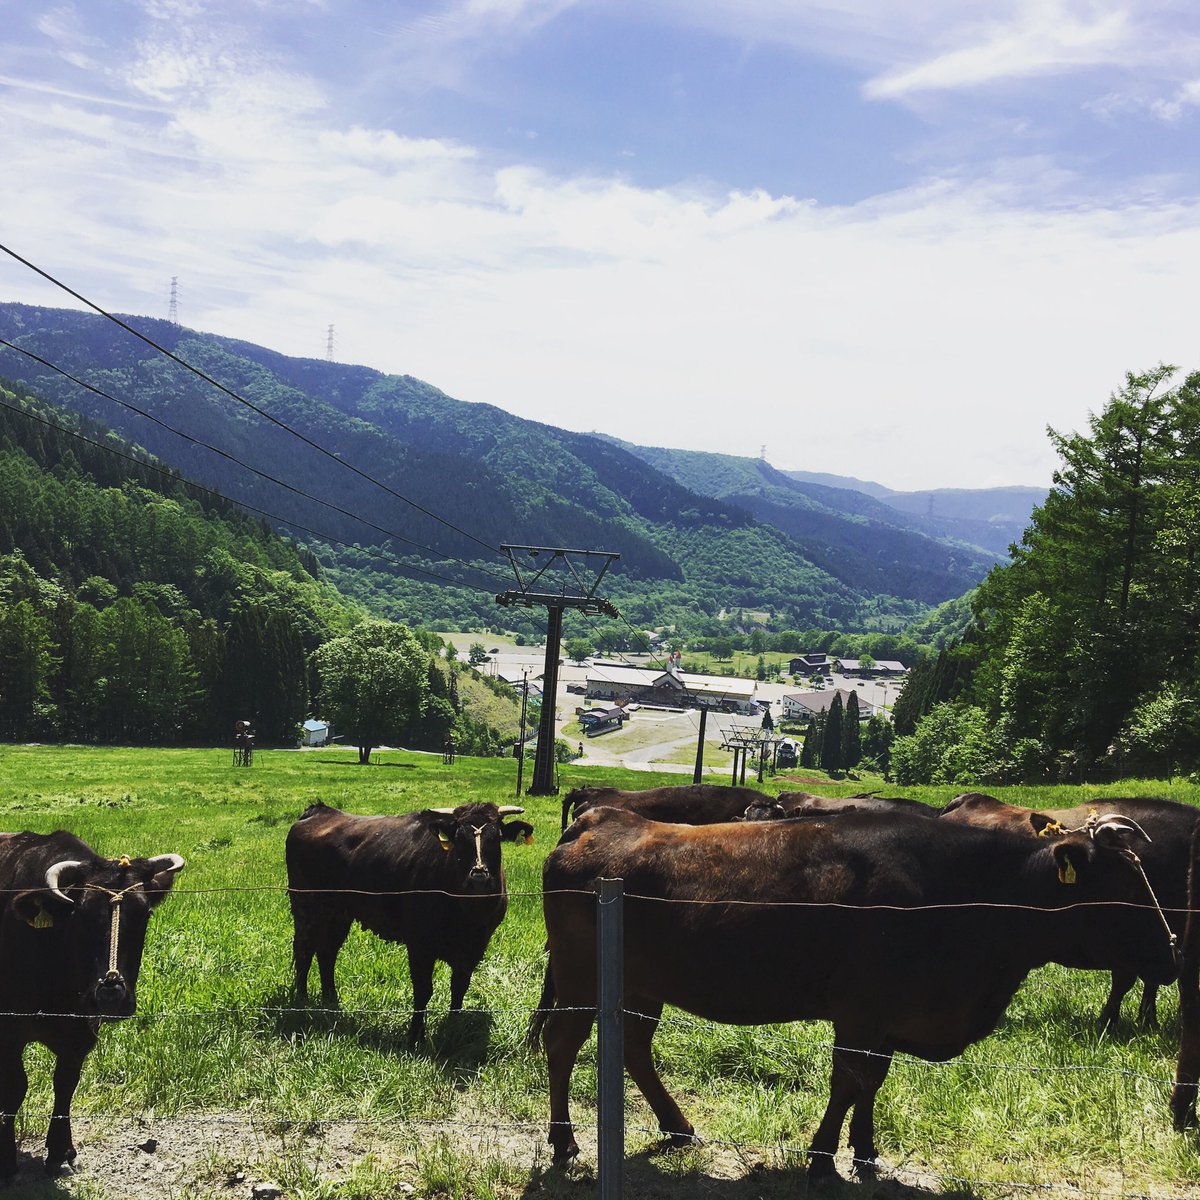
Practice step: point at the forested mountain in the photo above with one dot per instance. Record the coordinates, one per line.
(138, 607)
(853, 536)
(685, 555)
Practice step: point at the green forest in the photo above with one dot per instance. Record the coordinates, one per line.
(136, 607)
(1079, 661)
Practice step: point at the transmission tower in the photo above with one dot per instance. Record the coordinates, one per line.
(173, 306)
(329, 345)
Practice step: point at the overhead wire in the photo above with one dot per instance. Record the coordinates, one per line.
(228, 391)
(175, 477)
(245, 465)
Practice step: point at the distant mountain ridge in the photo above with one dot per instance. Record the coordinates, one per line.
(686, 552)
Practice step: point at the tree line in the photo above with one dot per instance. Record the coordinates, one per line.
(137, 608)
(1080, 659)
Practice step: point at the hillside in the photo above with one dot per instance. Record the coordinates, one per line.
(137, 606)
(991, 518)
(685, 555)
(850, 534)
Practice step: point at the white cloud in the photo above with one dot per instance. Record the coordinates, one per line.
(922, 337)
(1044, 37)
(1186, 98)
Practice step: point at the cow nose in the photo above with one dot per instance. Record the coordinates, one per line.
(112, 993)
(479, 872)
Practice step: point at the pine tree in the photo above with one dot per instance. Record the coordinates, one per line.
(851, 749)
(831, 741)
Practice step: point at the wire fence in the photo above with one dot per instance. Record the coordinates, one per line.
(785, 1153)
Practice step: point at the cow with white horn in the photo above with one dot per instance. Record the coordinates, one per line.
(72, 929)
(431, 879)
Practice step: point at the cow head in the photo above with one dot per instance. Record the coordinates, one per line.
(471, 835)
(1099, 863)
(766, 809)
(94, 915)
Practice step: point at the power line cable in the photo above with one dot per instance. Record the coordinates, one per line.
(175, 477)
(245, 465)
(242, 400)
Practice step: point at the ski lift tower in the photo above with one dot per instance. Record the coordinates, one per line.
(575, 592)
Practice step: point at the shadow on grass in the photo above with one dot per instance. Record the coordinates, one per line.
(667, 1174)
(457, 1041)
(345, 762)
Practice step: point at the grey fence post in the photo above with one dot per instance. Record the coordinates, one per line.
(610, 965)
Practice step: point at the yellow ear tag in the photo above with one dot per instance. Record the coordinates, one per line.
(529, 839)
(445, 841)
(123, 861)
(1067, 874)
(1052, 829)
(43, 920)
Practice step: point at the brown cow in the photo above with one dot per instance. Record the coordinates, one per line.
(805, 804)
(910, 936)
(684, 804)
(431, 879)
(1168, 827)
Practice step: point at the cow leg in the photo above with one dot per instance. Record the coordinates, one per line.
(13, 1085)
(639, 1062)
(845, 1087)
(564, 1035)
(1110, 1014)
(420, 971)
(460, 980)
(871, 1070)
(60, 1147)
(328, 938)
(302, 957)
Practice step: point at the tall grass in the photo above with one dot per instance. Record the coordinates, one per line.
(1043, 1100)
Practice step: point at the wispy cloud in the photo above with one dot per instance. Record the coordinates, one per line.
(1044, 37)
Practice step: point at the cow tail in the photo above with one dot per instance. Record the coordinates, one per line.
(537, 1022)
(1187, 1074)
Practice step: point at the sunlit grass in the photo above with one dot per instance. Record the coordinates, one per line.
(1042, 1100)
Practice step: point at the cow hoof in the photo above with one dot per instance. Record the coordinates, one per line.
(565, 1155)
(866, 1169)
(821, 1169)
(61, 1170)
(676, 1141)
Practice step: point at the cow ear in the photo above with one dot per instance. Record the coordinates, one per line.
(164, 868)
(443, 829)
(1071, 858)
(512, 830)
(42, 908)
(1042, 825)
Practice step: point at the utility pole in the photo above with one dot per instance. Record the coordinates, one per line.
(699, 771)
(521, 743)
(583, 598)
(173, 305)
(329, 345)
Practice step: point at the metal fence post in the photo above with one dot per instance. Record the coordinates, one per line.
(610, 964)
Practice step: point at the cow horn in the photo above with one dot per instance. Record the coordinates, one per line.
(166, 862)
(508, 810)
(1119, 823)
(54, 872)
(448, 812)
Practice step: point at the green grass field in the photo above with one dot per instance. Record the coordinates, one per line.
(1042, 1101)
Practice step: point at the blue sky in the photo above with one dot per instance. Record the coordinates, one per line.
(884, 239)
